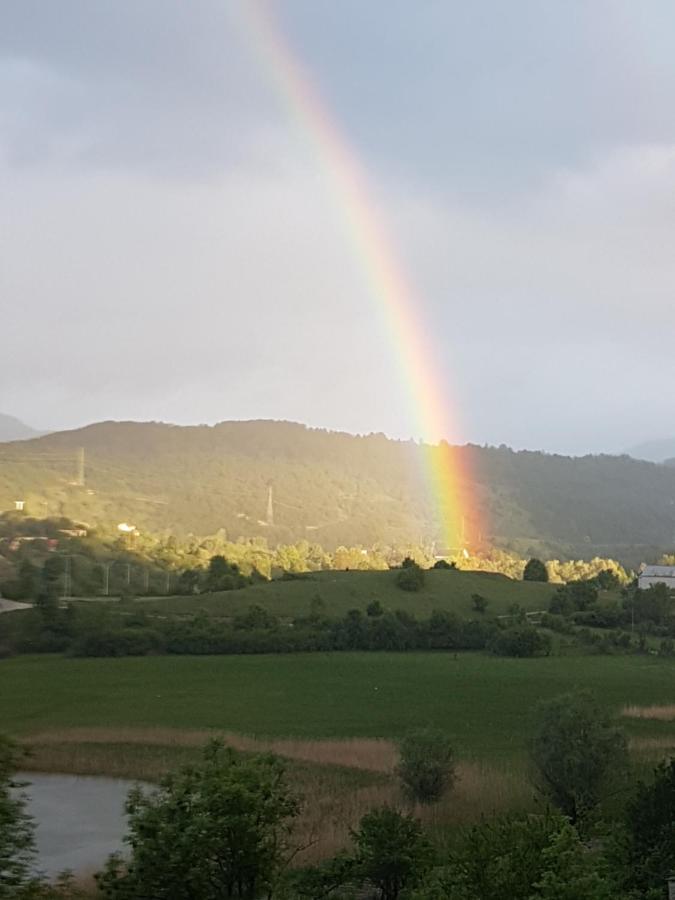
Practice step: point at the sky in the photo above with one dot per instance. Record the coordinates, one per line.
(171, 245)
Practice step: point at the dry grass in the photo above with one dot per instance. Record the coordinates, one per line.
(370, 755)
(652, 749)
(340, 780)
(329, 814)
(660, 713)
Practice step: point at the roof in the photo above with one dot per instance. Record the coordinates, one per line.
(658, 572)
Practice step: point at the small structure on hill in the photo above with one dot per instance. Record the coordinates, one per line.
(650, 575)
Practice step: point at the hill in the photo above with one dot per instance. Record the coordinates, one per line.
(654, 451)
(339, 592)
(12, 429)
(334, 488)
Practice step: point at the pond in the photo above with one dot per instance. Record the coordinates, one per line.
(79, 820)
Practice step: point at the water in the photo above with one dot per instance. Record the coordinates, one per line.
(79, 820)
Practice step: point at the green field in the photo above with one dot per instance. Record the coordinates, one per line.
(486, 704)
(342, 591)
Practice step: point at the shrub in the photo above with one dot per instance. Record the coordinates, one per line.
(479, 603)
(426, 768)
(521, 640)
(410, 577)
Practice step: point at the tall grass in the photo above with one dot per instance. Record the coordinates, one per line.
(339, 781)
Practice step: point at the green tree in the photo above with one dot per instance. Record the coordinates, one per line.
(426, 767)
(575, 752)
(535, 570)
(28, 580)
(216, 830)
(479, 603)
(391, 852)
(649, 854)
(521, 858)
(571, 872)
(16, 829)
(499, 858)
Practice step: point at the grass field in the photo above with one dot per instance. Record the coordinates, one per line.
(342, 591)
(486, 704)
(335, 717)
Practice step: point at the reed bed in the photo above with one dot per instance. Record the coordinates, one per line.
(659, 713)
(339, 780)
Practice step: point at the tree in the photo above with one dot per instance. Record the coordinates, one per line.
(28, 580)
(535, 570)
(650, 830)
(426, 768)
(16, 828)
(479, 603)
(215, 830)
(391, 852)
(523, 858)
(410, 577)
(571, 872)
(575, 751)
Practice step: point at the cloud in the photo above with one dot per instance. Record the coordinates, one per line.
(560, 303)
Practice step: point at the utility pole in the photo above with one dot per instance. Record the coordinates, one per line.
(128, 574)
(147, 581)
(79, 467)
(168, 581)
(106, 580)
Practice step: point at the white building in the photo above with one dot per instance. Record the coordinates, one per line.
(657, 575)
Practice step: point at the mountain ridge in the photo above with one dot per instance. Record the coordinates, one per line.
(13, 429)
(334, 488)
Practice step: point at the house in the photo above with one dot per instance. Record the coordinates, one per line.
(650, 575)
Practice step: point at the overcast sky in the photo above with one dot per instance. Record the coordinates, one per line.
(170, 248)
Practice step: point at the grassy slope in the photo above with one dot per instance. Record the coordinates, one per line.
(341, 591)
(485, 703)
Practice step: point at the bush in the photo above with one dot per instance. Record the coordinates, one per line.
(479, 603)
(426, 768)
(119, 642)
(410, 577)
(522, 641)
(444, 564)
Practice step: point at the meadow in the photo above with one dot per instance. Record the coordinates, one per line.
(487, 704)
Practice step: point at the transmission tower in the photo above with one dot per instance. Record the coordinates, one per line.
(270, 505)
(79, 467)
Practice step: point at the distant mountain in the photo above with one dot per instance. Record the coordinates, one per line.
(654, 451)
(12, 429)
(284, 482)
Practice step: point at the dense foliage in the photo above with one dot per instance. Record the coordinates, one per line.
(216, 830)
(575, 752)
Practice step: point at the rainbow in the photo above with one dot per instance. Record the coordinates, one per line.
(445, 467)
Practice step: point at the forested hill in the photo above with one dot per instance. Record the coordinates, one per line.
(333, 488)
